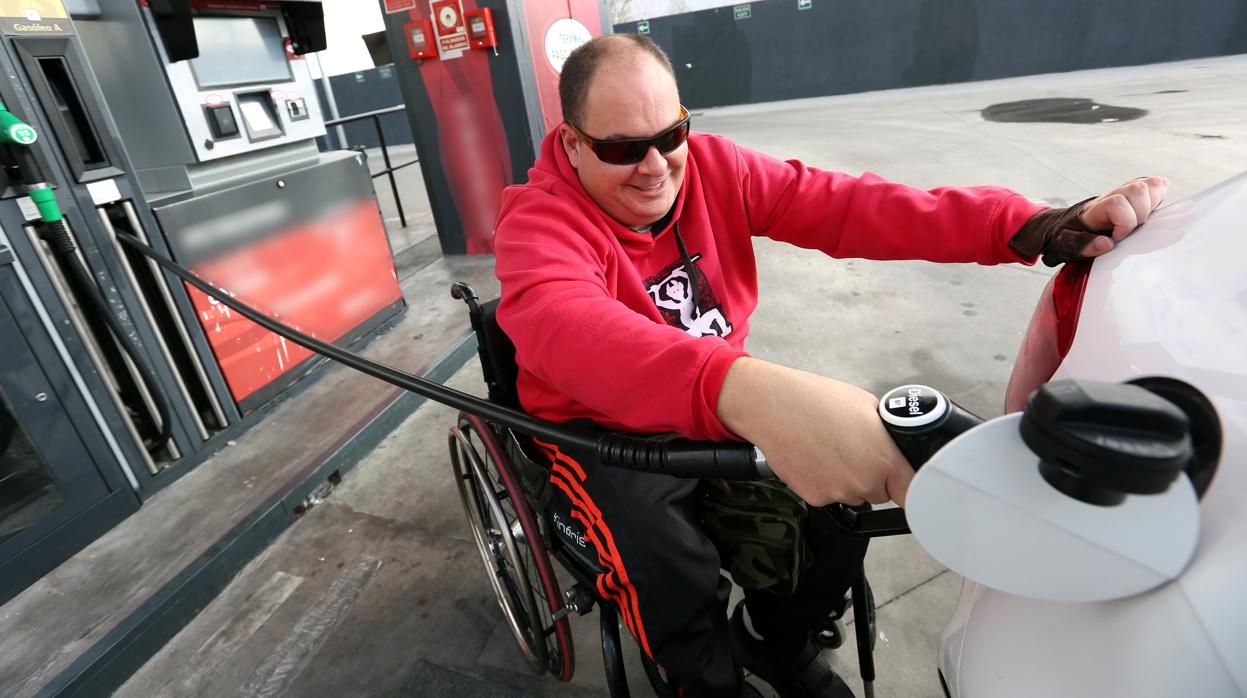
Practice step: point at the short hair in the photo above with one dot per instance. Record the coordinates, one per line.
(580, 66)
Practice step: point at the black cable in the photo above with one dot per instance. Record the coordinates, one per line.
(401, 379)
(666, 454)
(694, 279)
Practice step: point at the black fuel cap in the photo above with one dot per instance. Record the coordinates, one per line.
(1101, 441)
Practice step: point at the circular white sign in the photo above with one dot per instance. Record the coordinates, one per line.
(563, 37)
(448, 17)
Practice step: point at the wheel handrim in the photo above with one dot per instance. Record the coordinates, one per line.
(492, 534)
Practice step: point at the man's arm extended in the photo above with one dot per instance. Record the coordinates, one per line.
(822, 437)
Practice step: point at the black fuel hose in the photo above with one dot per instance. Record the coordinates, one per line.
(62, 243)
(28, 167)
(59, 239)
(665, 454)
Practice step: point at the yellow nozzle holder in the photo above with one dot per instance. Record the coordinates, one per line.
(14, 130)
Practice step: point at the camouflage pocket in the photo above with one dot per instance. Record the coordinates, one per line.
(758, 530)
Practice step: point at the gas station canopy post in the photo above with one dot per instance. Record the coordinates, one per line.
(480, 81)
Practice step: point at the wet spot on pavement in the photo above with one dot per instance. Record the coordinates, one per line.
(1067, 110)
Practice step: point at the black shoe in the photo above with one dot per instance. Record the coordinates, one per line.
(801, 675)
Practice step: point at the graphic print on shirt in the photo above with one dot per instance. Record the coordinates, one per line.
(672, 291)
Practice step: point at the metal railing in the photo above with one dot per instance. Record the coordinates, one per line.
(385, 153)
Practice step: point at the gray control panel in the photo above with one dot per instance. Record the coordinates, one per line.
(245, 91)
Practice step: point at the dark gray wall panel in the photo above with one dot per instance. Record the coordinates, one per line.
(365, 91)
(846, 46)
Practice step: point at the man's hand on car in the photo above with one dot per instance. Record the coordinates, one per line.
(822, 437)
(1122, 210)
(1090, 228)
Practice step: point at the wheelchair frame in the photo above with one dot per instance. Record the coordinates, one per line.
(506, 491)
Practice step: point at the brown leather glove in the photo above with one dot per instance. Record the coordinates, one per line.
(1057, 233)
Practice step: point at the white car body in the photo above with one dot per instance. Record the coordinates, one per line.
(1170, 301)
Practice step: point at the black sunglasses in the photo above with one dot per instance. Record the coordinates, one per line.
(630, 151)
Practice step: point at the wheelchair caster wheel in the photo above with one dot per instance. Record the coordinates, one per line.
(831, 636)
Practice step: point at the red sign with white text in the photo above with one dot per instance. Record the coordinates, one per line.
(325, 277)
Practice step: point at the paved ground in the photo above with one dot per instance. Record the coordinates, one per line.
(378, 590)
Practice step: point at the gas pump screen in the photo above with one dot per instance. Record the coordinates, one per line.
(239, 50)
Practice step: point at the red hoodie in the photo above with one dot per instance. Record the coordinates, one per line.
(599, 313)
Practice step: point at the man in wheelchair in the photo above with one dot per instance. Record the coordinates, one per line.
(628, 279)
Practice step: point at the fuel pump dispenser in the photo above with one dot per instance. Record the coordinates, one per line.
(216, 106)
(188, 127)
(54, 231)
(93, 405)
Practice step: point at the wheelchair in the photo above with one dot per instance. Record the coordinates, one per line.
(516, 519)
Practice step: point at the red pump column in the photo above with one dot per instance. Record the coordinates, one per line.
(478, 111)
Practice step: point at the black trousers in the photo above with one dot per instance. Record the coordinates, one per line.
(663, 572)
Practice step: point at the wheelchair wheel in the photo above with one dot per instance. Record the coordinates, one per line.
(511, 547)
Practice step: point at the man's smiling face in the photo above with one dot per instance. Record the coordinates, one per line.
(630, 96)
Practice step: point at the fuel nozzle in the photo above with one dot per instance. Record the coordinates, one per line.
(14, 130)
(18, 133)
(54, 230)
(921, 420)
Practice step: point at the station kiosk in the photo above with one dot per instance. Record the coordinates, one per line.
(216, 106)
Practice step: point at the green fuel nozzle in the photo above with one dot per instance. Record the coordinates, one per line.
(14, 131)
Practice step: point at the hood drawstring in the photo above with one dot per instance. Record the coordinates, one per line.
(694, 278)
